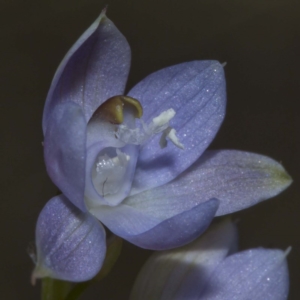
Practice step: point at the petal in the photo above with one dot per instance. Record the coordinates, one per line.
(259, 274)
(70, 244)
(94, 69)
(183, 272)
(196, 91)
(64, 151)
(157, 230)
(238, 179)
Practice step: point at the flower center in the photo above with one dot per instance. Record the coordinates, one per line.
(109, 171)
(114, 129)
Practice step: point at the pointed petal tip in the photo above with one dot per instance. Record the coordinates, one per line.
(217, 66)
(286, 178)
(33, 278)
(102, 15)
(104, 10)
(39, 272)
(287, 251)
(217, 74)
(281, 180)
(275, 255)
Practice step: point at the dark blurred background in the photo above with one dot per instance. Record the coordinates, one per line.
(259, 40)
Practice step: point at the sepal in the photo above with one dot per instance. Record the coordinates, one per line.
(94, 69)
(70, 244)
(157, 229)
(237, 179)
(208, 269)
(196, 91)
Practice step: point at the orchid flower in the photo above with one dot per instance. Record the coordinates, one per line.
(138, 162)
(210, 268)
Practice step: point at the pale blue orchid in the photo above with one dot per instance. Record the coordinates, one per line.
(210, 268)
(116, 169)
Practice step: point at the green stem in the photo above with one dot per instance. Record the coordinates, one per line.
(78, 290)
(53, 289)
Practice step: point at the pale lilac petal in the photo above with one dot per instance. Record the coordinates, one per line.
(174, 274)
(70, 244)
(196, 91)
(94, 69)
(238, 179)
(156, 229)
(259, 274)
(64, 151)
